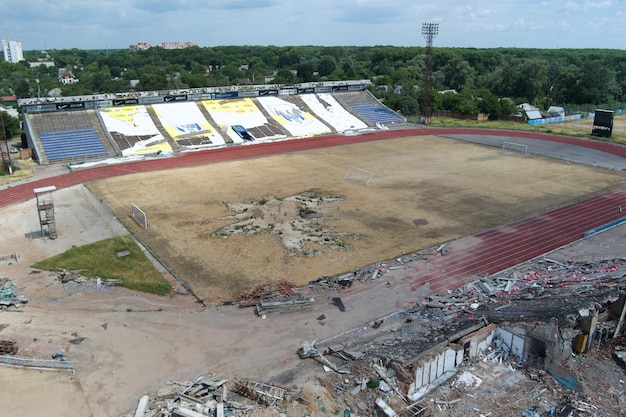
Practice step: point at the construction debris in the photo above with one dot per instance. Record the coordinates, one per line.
(10, 258)
(280, 288)
(8, 297)
(260, 392)
(284, 304)
(488, 348)
(206, 396)
(8, 347)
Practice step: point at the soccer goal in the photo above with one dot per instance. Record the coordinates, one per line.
(515, 147)
(138, 215)
(360, 176)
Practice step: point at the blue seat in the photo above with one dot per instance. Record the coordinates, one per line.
(375, 113)
(74, 143)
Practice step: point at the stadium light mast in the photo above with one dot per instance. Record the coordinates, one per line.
(429, 31)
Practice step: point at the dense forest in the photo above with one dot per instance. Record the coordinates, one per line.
(481, 77)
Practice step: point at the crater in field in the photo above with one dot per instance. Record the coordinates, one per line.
(296, 220)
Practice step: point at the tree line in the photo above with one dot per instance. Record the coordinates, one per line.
(476, 80)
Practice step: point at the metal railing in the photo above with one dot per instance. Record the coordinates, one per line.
(36, 363)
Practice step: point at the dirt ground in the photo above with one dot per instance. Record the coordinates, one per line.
(427, 190)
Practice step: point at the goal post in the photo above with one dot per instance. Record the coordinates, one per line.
(360, 176)
(515, 147)
(138, 215)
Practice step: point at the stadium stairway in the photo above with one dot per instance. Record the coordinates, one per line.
(155, 119)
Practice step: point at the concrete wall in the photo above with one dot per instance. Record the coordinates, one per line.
(434, 366)
(512, 340)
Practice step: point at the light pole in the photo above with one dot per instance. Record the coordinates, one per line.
(429, 31)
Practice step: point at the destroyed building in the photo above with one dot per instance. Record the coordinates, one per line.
(537, 315)
(515, 333)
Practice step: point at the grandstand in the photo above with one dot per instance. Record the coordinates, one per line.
(67, 135)
(76, 129)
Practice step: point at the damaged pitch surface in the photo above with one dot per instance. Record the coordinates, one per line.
(428, 190)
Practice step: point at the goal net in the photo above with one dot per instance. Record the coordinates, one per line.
(515, 147)
(360, 176)
(138, 215)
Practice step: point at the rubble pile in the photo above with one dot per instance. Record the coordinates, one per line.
(366, 273)
(278, 288)
(540, 291)
(210, 396)
(8, 296)
(557, 289)
(64, 276)
(546, 288)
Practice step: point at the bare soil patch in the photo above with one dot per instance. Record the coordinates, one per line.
(427, 190)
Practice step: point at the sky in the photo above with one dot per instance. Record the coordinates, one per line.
(116, 24)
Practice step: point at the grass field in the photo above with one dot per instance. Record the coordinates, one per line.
(101, 259)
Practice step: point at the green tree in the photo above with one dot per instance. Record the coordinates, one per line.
(284, 76)
(348, 69)
(150, 82)
(11, 126)
(326, 65)
(22, 88)
(305, 72)
(458, 74)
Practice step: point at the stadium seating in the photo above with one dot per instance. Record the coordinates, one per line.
(375, 113)
(72, 144)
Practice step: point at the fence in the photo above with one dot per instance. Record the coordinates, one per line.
(459, 115)
(618, 108)
(592, 257)
(37, 363)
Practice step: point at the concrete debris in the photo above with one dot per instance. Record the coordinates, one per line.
(620, 357)
(65, 276)
(366, 273)
(59, 354)
(142, 406)
(8, 296)
(284, 304)
(489, 346)
(390, 412)
(206, 396)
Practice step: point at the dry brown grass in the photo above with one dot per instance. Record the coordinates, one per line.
(427, 190)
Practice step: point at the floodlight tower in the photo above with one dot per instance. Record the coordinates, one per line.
(429, 31)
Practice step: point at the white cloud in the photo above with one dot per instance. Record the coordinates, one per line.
(90, 24)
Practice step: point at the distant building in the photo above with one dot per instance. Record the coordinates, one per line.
(66, 77)
(177, 45)
(556, 111)
(531, 112)
(41, 61)
(12, 51)
(142, 46)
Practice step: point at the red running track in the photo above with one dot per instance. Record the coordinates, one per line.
(488, 252)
